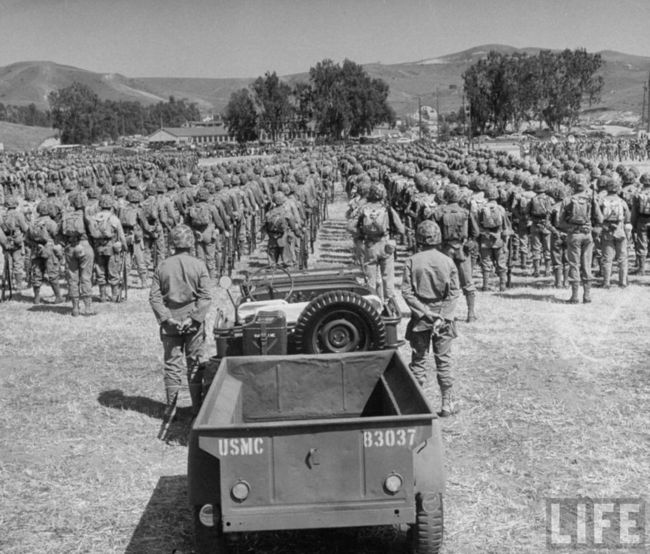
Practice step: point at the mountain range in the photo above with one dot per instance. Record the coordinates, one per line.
(437, 81)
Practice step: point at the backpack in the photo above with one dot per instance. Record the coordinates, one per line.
(579, 210)
(613, 210)
(644, 202)
(10, 224)
(200, 215)
(540, 206)
(105, 230)
(150, 210)
(73, 226)
(490, 216)
(38, 231)
(453, 225)
(276, 222)
(129, 217)
(374, 221)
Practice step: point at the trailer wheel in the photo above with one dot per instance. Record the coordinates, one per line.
(426, 533)
(208, 540)
(339, 321)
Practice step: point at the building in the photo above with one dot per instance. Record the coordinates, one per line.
(208, 135)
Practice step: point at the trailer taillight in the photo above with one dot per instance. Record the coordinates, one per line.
(240, 491)
(393, 483)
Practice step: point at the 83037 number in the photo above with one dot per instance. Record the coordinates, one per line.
(389, 437)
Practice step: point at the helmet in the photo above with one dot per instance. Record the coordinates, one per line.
(492, 192)
(51, 189)
(452, 193)
(120, 191)
(376, 193)
(645, 179)
(106, 202)
(540, 186)
(160, 187)
(580, 182)
(43, 208)
(428, 233)
(78, 200)
(613, 185)
(202, 195)
(279, 198)
(134, 196)
(11, 202)
(182, 237)
(93, 192)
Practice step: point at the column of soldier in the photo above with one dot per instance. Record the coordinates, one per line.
(96, 220)
(564, 217)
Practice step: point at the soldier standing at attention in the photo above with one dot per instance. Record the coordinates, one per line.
(431, 289)
(577, 214)
(495, 228)
(180, 299)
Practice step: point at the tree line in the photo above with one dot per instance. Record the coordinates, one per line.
(82, 118)
(28, 115)
(550, 87)
(338, 101)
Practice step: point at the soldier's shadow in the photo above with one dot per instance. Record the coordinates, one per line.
(55, 308)
(179, 429)
(552, 298)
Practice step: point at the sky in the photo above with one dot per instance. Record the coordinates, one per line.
(245, 38)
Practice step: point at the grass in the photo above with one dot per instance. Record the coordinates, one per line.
(553, 400)
(20, 138)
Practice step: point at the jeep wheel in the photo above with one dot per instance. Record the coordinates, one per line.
(337, 322)
(208, 539)
(426, 533)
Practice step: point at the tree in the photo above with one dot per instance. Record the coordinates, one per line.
(240, 116)
(272, 96)
(74, 113)
(346, 101)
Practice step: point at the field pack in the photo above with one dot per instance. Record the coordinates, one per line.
(129, 217)
(200, 215)
(613, 210)
(105, 229)
(490, 216)
(540, 206)
(454, 225)
(578, 211)
(150, 210)
(73, 226)
(38, 231)
(644, 202)
(374, 221)
(276, 222)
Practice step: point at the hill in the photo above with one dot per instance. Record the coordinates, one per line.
(433, 80)
(17, 138)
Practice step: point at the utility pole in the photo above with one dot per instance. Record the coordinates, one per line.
(645, 92)
(437, 115)
(648, 105)
(419, 118)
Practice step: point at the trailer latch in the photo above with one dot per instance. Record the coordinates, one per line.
(313, 459)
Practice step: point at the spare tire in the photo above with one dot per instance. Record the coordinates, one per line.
(337, 322)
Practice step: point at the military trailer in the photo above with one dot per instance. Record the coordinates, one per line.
(316, 441)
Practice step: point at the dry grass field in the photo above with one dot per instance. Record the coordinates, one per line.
(554, 402)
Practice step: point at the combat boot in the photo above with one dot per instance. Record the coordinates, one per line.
(103, 295)
(115, 293)
(565, 278)
(75, 307)
(448, 407)
(502, 282)
(586, 296)
(575, 290)
(558, 277)
(88, 306)
(471, 302)
(143, 280)
(37, 296)
(535, 268)
(486, 282)
(622, 276)
(547, 268)
(606, 277)
(58, 299)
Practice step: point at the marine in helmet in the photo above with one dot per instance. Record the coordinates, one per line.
(45, 263)
(15, 228)
(180, 299)
(282, 229)
(430, 287)
(110, 247)
(494, 231)
(616, 231)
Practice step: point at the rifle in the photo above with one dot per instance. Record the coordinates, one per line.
(168, 418)
(125, 277)
(313, 231)
(6, 278)
(253, 233)
(303, 256)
